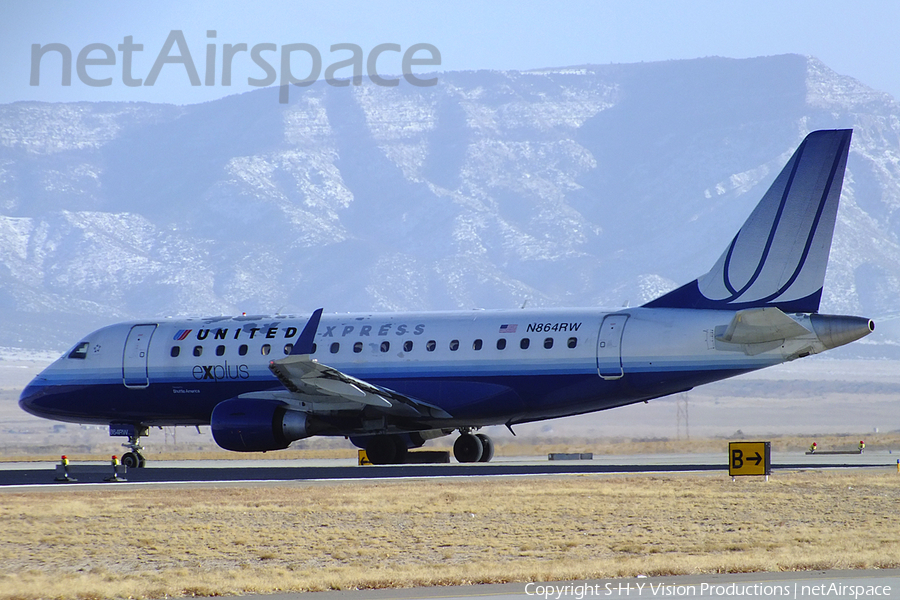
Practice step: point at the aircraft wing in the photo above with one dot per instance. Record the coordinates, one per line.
(307, 379)
(323, 384)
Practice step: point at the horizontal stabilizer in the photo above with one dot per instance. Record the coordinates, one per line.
(761, 325)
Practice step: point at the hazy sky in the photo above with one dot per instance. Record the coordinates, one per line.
(854, 38)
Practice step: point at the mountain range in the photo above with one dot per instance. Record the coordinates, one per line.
(593, 185)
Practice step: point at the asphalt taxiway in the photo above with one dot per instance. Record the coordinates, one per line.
(27, 474)
(882, 583)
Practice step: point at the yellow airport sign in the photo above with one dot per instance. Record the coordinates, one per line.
(749, 458)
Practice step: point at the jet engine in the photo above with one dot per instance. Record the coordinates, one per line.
(248, 425)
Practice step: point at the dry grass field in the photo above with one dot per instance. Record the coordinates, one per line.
(129, 542)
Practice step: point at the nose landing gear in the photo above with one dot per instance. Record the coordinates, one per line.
(133, 459)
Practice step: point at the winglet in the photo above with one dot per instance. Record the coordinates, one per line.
(307, 337)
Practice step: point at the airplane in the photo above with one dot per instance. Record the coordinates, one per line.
(389, 382)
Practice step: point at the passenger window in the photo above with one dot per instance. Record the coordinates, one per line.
(176, 350)
(335, 347)
(243, 350)
(357, 347)
(385, 346)
(314, 348)
(572, 342)
(501, 344)
(265, 349)
(524, 343)
(198, 350)
(288, 348)
(407, 346)
(431, 345)
(454, 345)
(548, 343)
(80, 351)
(476, 345)
(220, 350)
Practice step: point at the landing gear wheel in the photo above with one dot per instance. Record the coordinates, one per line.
(468, 448)
(385, 450)
(132, 460)
(487, 445)
(402, 449)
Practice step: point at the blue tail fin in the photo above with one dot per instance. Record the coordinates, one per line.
(778, 258)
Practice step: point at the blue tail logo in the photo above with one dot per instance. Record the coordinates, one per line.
(778, 258)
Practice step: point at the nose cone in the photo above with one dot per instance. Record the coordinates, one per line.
(30, 399)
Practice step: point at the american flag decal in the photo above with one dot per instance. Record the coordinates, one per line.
(508, 328)
(181, 335)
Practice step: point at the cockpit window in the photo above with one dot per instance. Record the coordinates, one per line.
(80, 351)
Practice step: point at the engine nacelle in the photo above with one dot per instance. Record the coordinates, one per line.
(248, 425)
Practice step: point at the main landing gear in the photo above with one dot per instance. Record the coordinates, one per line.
(392, 449)
(473, 447)
(386, 450)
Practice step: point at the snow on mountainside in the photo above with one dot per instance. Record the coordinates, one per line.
(592, 185)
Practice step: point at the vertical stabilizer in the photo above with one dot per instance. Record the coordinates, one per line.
(778, 258)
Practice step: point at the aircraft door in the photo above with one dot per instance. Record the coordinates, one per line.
(609, 347)
(136, 356)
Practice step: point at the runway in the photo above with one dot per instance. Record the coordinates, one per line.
(38, 474)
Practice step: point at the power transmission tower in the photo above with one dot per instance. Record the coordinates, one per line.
(682, 416)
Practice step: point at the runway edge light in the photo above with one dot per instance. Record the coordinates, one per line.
(749, 458)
